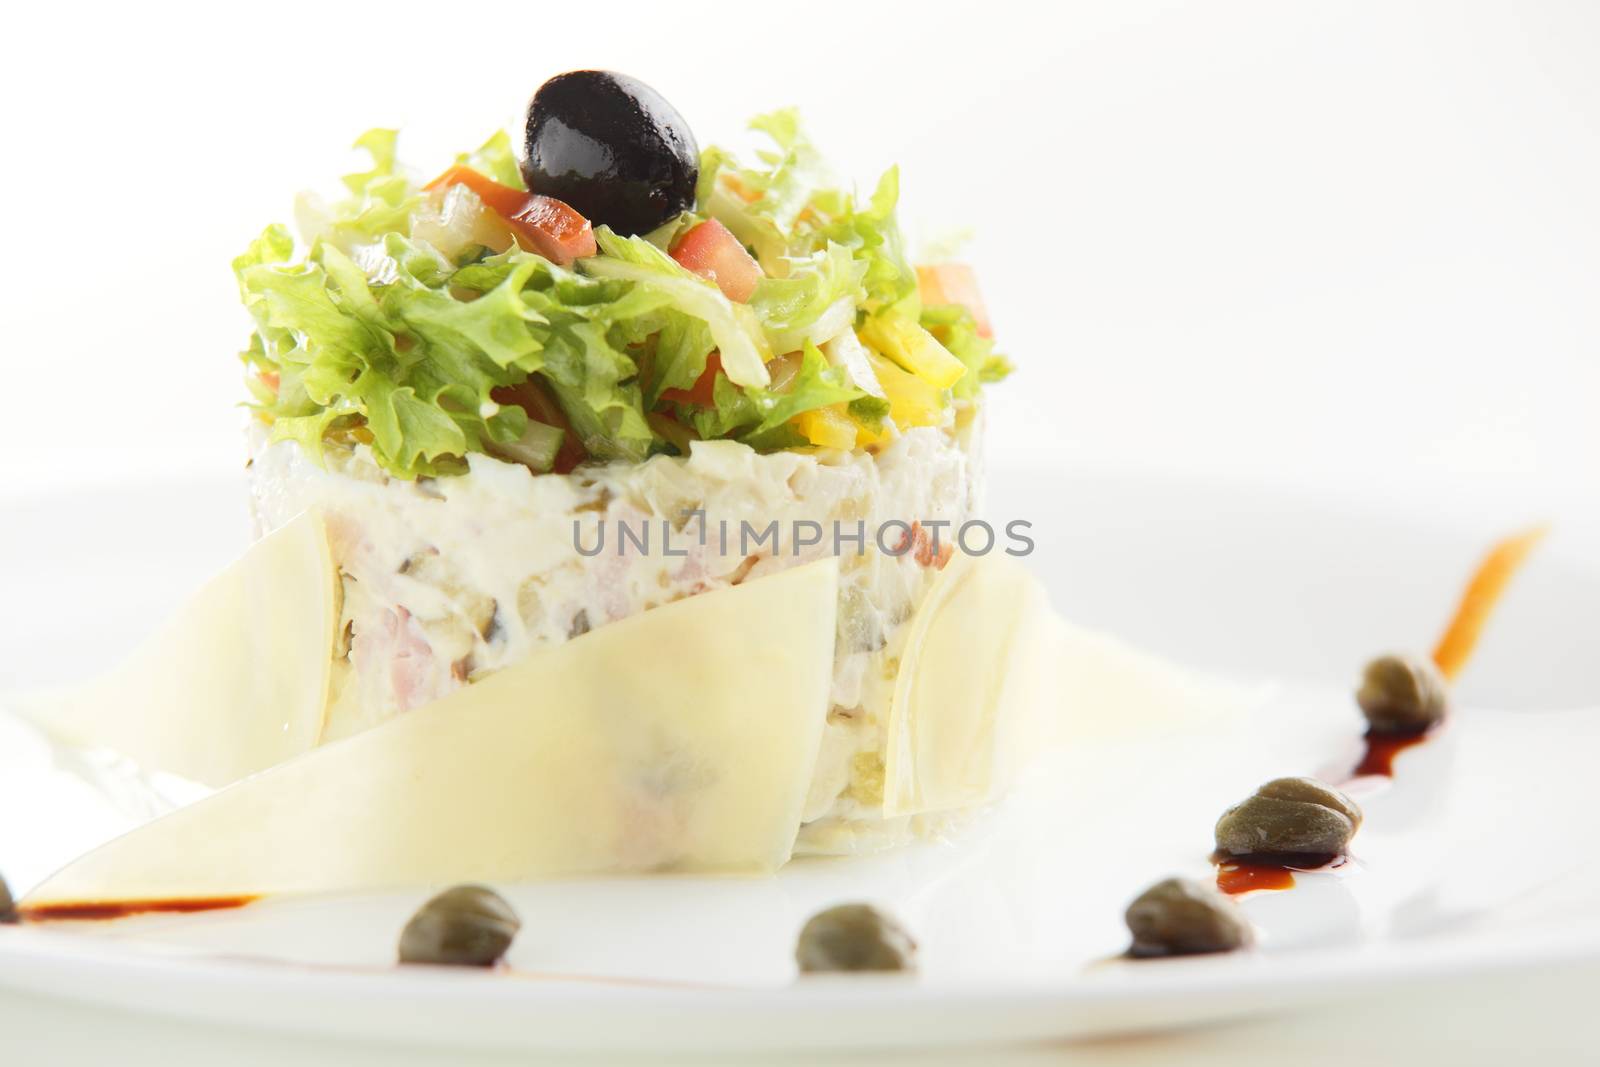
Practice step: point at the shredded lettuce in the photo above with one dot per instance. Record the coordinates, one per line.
(496, 158)
(367, 333)
(957, 331)
(788, 207)
(412, 362)
(733, 327)
(381, 200)
(758, 416)
(815, 301)
(873, 237)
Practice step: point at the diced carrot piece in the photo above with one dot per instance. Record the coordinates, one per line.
(542, 224)
(503, 199)
(554, 229)
(1482, 594)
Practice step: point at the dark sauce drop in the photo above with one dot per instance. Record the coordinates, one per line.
(1382, 748)
(78, 911)
(1244, 874)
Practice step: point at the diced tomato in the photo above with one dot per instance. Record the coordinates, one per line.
(954, 283)
(533, 397)
(715, 254)
(701, 393)
(542, 224)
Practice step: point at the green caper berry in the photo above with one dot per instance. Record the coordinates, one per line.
(8, 907)
(1182, 917)
(1402, 694)
(854, 937)
(1311, 791)
(465, 926)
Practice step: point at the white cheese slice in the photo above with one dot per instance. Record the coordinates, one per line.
(966, 683)
(990, 676)
(236, 682)
(680, 739)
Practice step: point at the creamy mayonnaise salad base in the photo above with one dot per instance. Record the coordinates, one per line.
(446, 580)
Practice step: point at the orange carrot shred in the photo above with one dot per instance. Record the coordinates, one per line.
(1479, 600)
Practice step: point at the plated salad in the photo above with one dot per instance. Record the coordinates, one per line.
(619, 511)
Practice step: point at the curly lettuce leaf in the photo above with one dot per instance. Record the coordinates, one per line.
(733, 327)
(789, 208)
(873, 237)
(793, 173)
(370, 334)
(380, 201)
(815, 302)
(496, 158)
(759, 416)
(414, 361)
(956, 329)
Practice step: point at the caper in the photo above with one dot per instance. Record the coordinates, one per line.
(1402, 694)
(1289, 816)
(1182, 917)
(1311, 791)
(465, 926)
(8, 907)
(854, 937)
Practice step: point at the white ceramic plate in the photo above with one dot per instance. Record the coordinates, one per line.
(1472, 858)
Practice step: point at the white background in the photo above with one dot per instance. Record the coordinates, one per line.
(1286, 242)
(1328, 245)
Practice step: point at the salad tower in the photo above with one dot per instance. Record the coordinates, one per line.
(538, 394)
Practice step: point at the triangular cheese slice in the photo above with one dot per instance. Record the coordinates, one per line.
(681, 739)
(967, 683)
(235, 683)
(990, 676)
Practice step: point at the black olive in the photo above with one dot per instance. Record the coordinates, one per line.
(1402, 695)
(466, 926)
(613, 148)
(8, 907)
(1180, 917)
(854, 937)
(1289, 817)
